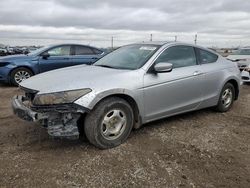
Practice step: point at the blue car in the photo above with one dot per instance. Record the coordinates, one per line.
(16, 68)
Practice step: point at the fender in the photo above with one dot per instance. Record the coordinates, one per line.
(91, 99)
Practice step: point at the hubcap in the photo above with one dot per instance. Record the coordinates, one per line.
(227, 97)
(21, 76)
(113, 124)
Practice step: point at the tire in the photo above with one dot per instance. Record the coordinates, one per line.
(109, 124)
(224, 105)
(20, 74)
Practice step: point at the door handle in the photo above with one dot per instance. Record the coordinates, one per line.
(197, 73)
(94, 58)
(66, 58)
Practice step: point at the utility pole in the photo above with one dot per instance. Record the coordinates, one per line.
(151, 37)
(175, 38)
(112, 43)
(195, 39)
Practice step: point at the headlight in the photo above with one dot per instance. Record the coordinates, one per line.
(60, 97)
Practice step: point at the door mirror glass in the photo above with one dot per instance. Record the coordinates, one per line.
(45, 55)
(163, 67)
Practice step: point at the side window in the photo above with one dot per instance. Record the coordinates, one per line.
(207, 57)
(59, 51)
(179, 56)
(82, 50)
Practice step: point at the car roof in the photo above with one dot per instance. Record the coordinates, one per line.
(163, 43)
(71, 44)
(160, 43)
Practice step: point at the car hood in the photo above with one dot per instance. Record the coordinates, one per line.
(83, 76)
(14, 58)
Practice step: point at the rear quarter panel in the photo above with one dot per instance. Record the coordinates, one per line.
(216, 75)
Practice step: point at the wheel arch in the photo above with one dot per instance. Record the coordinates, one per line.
(93, 100)
(131, 101)
(23, 66)
(236, 87)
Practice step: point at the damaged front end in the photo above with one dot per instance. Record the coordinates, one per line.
(55, 111)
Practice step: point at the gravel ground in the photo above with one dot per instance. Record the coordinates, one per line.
(198, 149)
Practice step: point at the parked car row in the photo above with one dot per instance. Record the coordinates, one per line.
(124, 89)
(14, 50)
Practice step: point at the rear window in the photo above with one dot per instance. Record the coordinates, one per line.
(82, 50)
(207, 57)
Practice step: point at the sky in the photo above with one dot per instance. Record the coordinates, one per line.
(217, 23)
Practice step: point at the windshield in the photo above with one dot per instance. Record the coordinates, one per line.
(242, 52)
(130, 57)
(38, 51)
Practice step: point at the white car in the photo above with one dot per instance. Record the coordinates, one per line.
(242, 57)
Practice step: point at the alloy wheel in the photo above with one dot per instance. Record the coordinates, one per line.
(21, 76)
(227, 97)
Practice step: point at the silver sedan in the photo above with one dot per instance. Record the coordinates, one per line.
(127, 88)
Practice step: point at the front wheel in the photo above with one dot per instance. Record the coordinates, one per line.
(109, 123)
(226, 98)
(20, 74)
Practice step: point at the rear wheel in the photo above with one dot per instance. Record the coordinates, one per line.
(20, 74)
(226, 98)
(110, 123)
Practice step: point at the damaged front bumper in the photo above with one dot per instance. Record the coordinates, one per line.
(60, 120)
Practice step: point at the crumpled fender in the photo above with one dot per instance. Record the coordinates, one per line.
(91, 99)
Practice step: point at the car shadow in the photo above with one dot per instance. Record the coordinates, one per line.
(5, 85)
(176, 118)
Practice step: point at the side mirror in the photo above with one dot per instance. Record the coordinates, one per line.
(163, 67)
(45, 55)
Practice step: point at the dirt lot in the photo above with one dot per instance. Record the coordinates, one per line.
(199, 149)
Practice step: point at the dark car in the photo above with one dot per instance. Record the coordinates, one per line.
(3, 52)
(16, 68)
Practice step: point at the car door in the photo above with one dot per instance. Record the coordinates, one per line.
(176, 91)
(85, 55)
(54, 58)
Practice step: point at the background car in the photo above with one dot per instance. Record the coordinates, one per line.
(3, 52)
(131, 86)
(242, 58)
(16, 68)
